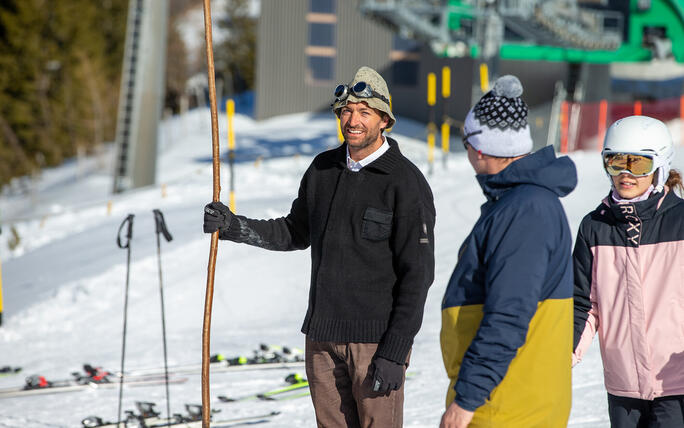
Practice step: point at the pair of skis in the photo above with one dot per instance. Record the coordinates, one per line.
(9, 371)
(266, 357)
(90, 378)
(55, 387)
(148, 417)
(298, 387)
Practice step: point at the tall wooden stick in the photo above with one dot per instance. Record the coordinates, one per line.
(206, 329)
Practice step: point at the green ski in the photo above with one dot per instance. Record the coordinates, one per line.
(296, 380)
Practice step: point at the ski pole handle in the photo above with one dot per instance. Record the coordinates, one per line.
(129, 232)
(161, 225)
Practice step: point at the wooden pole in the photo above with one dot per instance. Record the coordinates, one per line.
(206, 328)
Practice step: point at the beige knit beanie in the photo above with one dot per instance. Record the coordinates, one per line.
(373, 79)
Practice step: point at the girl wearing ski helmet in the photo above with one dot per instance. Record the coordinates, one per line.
(629, 278)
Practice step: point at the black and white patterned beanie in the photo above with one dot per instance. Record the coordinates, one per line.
(497, 124)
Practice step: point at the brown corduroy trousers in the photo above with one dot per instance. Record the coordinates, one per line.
(340, 381)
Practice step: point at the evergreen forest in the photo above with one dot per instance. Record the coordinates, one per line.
(60, 68)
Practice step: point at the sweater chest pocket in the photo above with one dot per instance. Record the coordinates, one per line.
(377, 224)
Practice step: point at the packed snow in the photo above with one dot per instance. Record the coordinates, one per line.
(63, 282)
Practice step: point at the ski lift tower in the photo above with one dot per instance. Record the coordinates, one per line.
(141, 95)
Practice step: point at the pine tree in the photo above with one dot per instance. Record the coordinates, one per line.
(236, 55)
(20, 95)
(60, 64)
(176, 56)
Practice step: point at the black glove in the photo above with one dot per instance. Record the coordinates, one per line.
(216, 217)
(387, 375)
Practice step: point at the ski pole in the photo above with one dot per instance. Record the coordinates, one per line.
(127, 246)
(161, 228)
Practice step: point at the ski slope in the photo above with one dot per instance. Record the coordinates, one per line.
(64, 283)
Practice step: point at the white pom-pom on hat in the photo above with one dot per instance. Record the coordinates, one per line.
(508, 86)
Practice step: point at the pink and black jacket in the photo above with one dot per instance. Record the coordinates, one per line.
(629, 287)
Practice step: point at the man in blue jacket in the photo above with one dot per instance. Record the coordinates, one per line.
(507, 312)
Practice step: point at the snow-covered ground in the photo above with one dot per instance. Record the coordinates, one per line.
(64, 283)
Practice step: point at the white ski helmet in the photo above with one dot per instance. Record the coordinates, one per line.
(642, 135)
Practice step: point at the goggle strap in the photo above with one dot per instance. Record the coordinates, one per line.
(471, 134)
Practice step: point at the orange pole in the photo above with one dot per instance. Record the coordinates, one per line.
(564, 127)
(637, 108)
(209, 296)
(681, 119)
(603, 117)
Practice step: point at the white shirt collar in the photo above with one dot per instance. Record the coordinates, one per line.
(354, 166)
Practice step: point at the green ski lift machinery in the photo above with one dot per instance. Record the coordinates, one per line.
(598, 31)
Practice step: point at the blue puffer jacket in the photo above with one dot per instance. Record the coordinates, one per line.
(507, 312)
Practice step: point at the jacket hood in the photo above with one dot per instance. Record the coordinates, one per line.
(541, 168)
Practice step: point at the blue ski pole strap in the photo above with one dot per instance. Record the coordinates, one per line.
(129, 232)
(161, 225)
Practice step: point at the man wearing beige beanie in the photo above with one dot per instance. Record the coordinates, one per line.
(368, 215)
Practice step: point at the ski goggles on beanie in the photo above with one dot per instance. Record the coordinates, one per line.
(360, 90)
(639, 165)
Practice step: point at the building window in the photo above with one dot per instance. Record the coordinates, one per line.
(405, 57)
(321, 50)
(321, 34)
(322, 6)
(321, 68)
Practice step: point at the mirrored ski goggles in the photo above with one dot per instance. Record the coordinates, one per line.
(360, 90)
(637, 165)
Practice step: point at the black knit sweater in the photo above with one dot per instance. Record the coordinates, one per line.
(372, 248)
